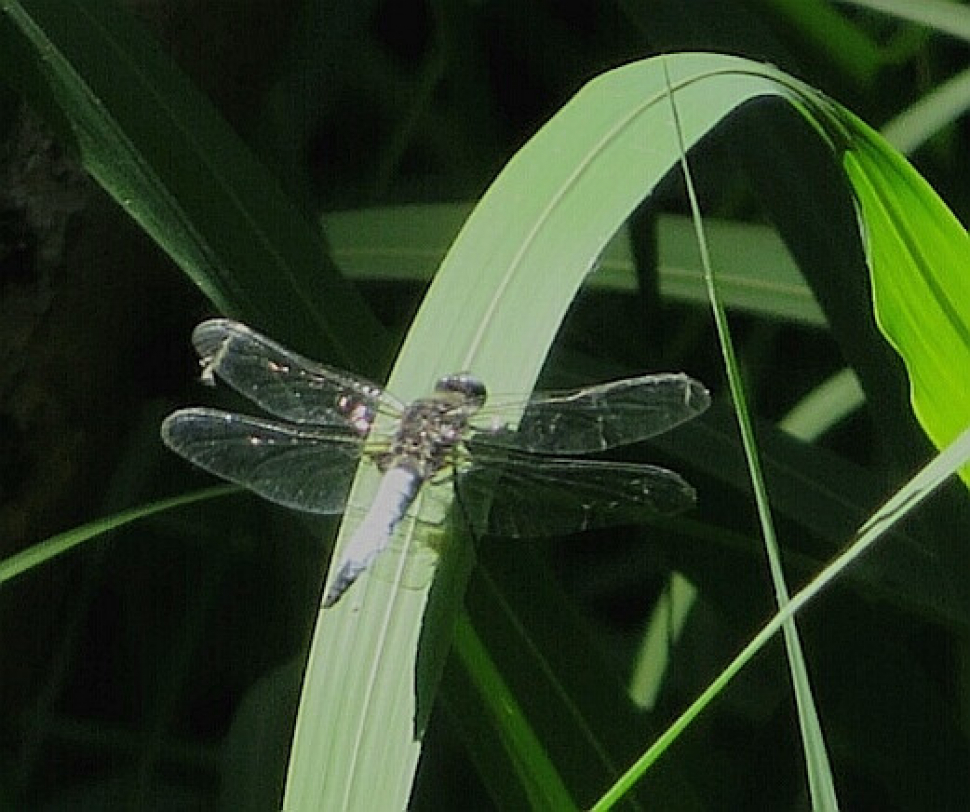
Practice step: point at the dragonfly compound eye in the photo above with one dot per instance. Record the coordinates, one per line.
(463, 383)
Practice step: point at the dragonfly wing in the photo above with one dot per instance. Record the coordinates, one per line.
(305, 468)
(549, 496)
(595, 418)
(284, 383)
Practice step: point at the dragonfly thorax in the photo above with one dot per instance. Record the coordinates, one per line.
(430, 428)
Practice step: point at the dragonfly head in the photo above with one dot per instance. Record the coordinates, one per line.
(466, 385)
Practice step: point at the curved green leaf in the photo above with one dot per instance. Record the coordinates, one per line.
(919, 257)
(495, 308)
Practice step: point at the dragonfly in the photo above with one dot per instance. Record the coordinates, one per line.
(504, 453)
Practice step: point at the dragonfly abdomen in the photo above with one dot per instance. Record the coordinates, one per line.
(398, 489)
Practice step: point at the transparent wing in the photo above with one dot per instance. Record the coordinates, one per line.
(594, 418)
(299, 467)
(548, 496)
(285, 384)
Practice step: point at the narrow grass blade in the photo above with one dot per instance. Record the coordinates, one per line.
(543, 786)
(819, 770)
(941, 15)
(897, 508)
(943, 106)
(42, 552)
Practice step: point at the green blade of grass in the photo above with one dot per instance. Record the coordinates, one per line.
(494, 308)
(919, 259)
(42, 552)
(923, 485)
(819, 770)
(824, 407)
(542, 785)
(756, 273)
(940, 15)
(943, 106)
